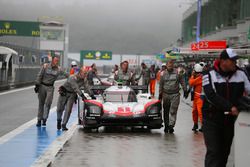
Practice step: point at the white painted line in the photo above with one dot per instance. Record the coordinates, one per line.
(48, 157)
(26, 88)
(16, 90)
(21, 128)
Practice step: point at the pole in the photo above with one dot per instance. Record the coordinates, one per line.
(198, 21)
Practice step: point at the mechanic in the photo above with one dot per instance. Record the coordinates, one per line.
(145, 74)
(195, 81)
(169, 93)
(92, 73)
(224, 85)
(68, 94)
(124, 75)
(74, 69)
(115, 69)
(44, 86)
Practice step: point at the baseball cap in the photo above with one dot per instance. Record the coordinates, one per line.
(228, 53)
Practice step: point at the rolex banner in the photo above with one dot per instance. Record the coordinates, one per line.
(19, 28)
(96, 55)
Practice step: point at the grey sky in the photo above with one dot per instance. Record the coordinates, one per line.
(122, 26)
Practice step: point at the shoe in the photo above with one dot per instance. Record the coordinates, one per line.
(64, 128)
(166, 130)
(59, 125)
(201, 129)
(195, 127)
(44, 122)
(171, 129)
(39, 123)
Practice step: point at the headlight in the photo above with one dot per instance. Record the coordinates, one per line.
(94, 110)
(153, 110)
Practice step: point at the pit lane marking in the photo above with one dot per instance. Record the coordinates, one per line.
(48, 157)
(21, 128)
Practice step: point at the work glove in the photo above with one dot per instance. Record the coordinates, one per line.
(62, 91)
(83, 97)
(36, 89)
(93, 97)
(185, 94)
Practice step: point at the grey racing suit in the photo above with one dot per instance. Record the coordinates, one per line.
(45, 82)
(125, 77)
(71, 87)
(169, 93)
(145, 74)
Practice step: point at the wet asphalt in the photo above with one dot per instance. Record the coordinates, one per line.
(137, 147)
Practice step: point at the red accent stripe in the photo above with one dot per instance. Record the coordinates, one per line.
(150, 103)
(94, 102)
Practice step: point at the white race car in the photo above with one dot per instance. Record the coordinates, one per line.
(120, 106)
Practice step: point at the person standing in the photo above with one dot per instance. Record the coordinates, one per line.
(92, 73)
(169, 93)
(44, 86)
(68, 94)
(145, 74)
(223, 86)
(160, 72)
(124, 75)
(152, 80)
(195, 81)
(74, 69)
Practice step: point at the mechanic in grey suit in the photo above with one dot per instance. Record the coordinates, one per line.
(124, 75)
(169, 93)
(45, 88)
(68, 94)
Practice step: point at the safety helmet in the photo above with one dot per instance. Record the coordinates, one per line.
(198, 67)
(163, 64)
(73, 63)
(203, 64)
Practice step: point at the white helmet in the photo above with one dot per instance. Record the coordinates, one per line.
(163, 64)
(73, 63)
(203, 64)
(198, 68)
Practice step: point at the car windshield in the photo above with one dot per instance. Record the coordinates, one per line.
(113, 96)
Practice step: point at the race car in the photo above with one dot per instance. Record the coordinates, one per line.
(120, 106)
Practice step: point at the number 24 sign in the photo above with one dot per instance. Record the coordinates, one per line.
(208, 45)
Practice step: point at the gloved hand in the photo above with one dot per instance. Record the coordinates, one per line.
(93, 97)
(83, 97)
(160, 97)
(36, 89)
(185, 94)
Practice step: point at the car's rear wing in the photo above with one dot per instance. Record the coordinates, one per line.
(99, 87)
(139, 87)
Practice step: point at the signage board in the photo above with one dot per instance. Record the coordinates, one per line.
(203, 45)
(19, 28)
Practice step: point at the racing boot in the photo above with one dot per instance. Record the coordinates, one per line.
(195, 127)
(201, 129)
(166, 129)
(59, 124)
(39, 123)
(64, 128)
(44, 122)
